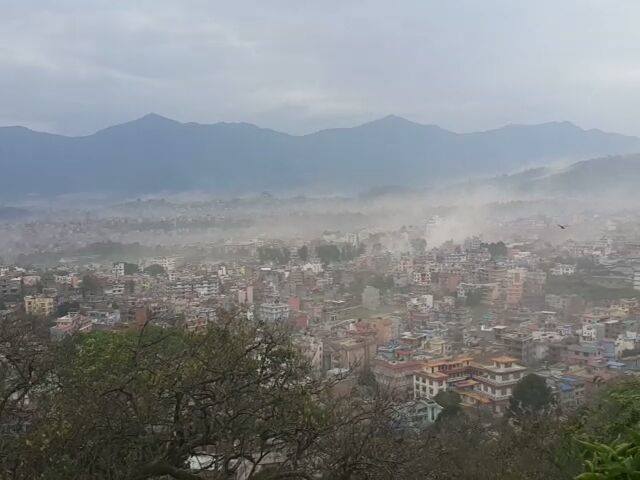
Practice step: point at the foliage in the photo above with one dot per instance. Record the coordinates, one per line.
(496, 250)
(611, 414)
(450, 403)
(130, 268)
(328, 253)
(332, 253)
(607, 433)
(90, 285)
(618, 461)
(530, 395)
(419, 246)
(382, 282)
(155, 270)
(303, 253)
(277, 255)
(65, 307)
(143, 404)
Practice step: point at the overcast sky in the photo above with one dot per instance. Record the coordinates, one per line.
(75, 66)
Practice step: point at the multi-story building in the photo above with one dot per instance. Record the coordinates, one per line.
(561, 269)
(353, 352)
(494, 384)
(435, 376)
(10, 287)
(273, 312)
(479, 385)
(396, 376)
(520, 346)
(39, 305)
(118, 269)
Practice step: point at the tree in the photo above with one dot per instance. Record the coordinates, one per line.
(145, 404)
(148, 401)
(450, 403)
(419, 246)
(382, 282)
(65, 307)
(303, 253)
(497, 250)
(275, 255)
(530, 395)
(612, 412)
(90, 285)
(606, 432)
(155, 270)
(25, 364)
(328, 253)
(618, 461)
(130, 268)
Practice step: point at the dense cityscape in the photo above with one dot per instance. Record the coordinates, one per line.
(434, 325)
(387, 301)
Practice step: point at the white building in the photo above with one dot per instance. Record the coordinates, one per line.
(118, 269)
(561, 269)
(273, 312)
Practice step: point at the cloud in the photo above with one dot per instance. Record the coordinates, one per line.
(73, 66)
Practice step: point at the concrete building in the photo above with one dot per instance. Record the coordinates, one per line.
(520, 346)
(39, 305)
(479, 385)
(273, 312)
(396, 376)
(494, 384)
(350, 352)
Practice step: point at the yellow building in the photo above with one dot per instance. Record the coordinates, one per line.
(38, 305)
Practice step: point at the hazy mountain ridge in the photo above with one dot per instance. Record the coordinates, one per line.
(619, 175)
(155, 153)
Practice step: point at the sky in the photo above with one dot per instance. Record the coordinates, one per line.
(75, 66)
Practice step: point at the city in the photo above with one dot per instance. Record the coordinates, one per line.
(339, 240)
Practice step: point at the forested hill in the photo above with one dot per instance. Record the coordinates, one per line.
(155, 154)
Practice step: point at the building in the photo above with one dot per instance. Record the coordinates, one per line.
(39, 305)
(487, 386)
(245, 295)
(561, 269)
(636, 279)
(494, 384)
(273, 312)
(520, 346)
(118, 269)
(10, 287)
(70, 324)
(435, 376)
(395, 376)
(353, 352)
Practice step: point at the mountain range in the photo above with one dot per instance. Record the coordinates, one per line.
(154, 154)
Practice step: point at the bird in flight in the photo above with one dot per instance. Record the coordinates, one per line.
(563, 227)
